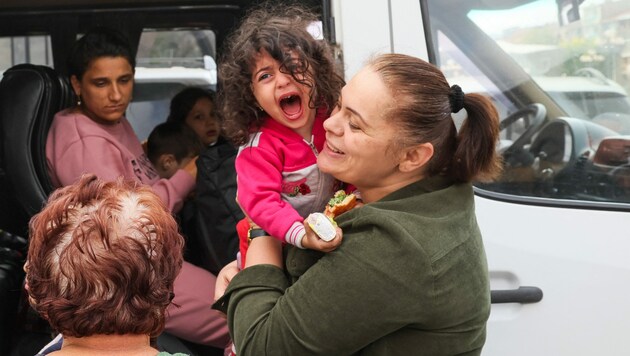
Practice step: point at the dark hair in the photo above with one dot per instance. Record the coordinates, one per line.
(275, 29)
(174, 138)
(185, 100)
(103, 258)
(96, 43)
(423, 108)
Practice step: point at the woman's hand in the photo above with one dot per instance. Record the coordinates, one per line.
(224, 278)
(313, 242)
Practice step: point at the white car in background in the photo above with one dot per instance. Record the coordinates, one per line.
(589, 97)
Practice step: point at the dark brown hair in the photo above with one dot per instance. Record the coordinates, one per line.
(173, 137)
(102, 259)
(276, 29)
(98, 42)
(423, 109)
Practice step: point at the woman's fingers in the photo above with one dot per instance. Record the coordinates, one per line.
(224, 278)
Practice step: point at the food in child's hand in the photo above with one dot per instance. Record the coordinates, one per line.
(340, 203)
(322, 225)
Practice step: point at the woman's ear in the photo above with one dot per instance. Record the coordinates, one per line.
(416, 157)
(76, 85)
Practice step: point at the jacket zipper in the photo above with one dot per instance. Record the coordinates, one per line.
(312, 146)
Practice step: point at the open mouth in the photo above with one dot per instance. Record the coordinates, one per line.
(291, 106)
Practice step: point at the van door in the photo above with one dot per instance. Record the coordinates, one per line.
(555, 224)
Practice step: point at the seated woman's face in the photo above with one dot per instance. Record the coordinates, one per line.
(358, 136)
(105, 89)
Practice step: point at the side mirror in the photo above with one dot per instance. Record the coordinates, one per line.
(568, 11)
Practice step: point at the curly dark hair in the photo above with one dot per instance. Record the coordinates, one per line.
(103, 258)
(279, 29)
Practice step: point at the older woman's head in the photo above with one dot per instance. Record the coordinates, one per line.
(101, 67)
(102, 259)
(393, 126)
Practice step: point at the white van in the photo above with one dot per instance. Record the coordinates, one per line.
(556, 226)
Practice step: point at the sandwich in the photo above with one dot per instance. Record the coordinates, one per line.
(340, 203)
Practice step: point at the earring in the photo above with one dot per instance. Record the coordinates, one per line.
(78, 100)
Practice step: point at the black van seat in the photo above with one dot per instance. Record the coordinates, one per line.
(30, 95)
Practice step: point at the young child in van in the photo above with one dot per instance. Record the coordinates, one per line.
(216, 212)
(196, 108)
(170, 146)
(278, 85)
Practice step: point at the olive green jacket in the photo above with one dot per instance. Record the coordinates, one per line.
(410, 278)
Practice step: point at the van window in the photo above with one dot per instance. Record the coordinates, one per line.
(25, 49)
(459, 70)
(180, 47)
(559, 75)
(169, 60)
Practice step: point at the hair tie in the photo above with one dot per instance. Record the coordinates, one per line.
(456, 98)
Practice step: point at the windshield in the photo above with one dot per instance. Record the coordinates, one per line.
(559, 73)
(580, 46)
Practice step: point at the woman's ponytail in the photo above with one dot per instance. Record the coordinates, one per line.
(475, 157)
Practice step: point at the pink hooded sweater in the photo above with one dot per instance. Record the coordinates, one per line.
(77, 145)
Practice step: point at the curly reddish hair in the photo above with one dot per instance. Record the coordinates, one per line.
(102, 259)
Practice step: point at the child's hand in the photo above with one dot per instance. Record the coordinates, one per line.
(313, 242)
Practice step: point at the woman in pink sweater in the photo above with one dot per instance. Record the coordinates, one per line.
(95, 137)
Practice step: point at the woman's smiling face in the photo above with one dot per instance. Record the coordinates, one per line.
(358, 136)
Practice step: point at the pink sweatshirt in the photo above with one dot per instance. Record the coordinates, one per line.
(76, 145)
(278, 181)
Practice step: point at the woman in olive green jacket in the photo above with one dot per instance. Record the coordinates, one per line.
(410, 277)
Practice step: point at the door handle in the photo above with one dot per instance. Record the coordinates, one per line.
(523, 295)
